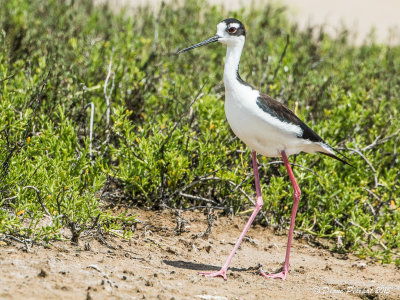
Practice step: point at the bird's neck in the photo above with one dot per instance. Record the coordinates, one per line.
(232, 60)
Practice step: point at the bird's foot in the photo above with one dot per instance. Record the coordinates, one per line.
(280, 275)
(220, 273)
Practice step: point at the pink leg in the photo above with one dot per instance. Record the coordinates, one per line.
(296, 197)
(259, 204)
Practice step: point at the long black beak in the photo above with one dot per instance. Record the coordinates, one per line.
(205, 42)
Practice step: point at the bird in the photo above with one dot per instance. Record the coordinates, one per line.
(265, 125)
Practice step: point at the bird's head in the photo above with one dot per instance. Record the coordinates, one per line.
(229, 32)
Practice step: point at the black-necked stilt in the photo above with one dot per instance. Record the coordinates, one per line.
(263, 124)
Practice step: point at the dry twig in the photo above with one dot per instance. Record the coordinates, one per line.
(39, 197)
(368, 163)
(379, 141)
(108, 95)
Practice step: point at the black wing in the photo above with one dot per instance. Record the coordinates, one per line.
(281, 112)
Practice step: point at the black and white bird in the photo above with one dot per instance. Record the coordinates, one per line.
(262, 123)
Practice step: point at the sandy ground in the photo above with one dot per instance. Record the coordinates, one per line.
(158, 264)
(358, 16)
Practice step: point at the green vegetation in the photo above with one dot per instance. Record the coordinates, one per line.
(166, 142)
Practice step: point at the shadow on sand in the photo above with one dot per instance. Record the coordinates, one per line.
(202, 267)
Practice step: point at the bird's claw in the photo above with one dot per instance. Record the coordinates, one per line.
(280, 275)
(220, 273)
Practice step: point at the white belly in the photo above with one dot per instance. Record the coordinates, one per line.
(263, 133)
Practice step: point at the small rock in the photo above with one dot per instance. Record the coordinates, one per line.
(94, 267)
(87, 246)
(42, 273)
(328, 268)
(360, 266)
(88, 296)
(235, 275)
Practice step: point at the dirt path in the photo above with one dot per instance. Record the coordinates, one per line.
(157, 264)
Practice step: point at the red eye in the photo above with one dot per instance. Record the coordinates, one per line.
(232, 30)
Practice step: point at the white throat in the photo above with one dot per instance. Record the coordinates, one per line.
(232, 59)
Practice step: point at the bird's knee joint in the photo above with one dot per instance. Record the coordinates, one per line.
(259, 203)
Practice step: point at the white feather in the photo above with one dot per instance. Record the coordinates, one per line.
(259, 130)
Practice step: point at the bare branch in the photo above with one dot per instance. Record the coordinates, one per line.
(108, 95)
(373, 194)
(8, 77)
(379, 141)
(11, 198)
(369, 164)
(39, 197)
(24, 241)
(197, 198)
(194, 182)
(369, 234)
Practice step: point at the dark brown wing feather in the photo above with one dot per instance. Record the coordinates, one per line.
(280, 111)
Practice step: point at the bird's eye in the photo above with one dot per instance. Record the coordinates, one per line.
(232, 29)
